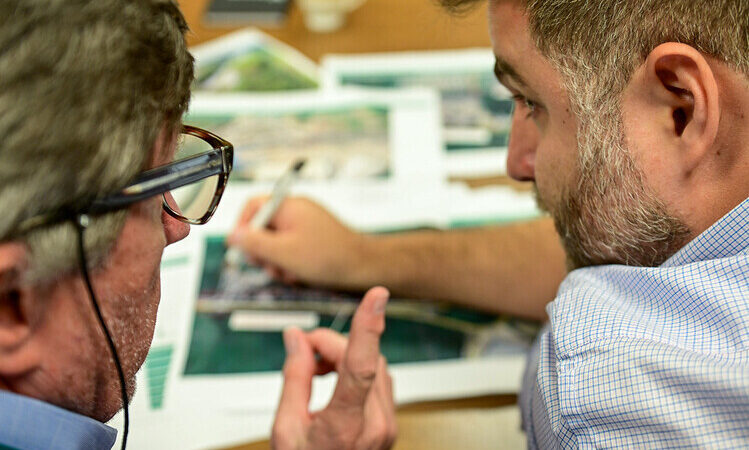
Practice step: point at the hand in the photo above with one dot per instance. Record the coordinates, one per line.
(303, 243)
(361, 413)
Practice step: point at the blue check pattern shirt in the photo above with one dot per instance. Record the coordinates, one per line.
(638, 357)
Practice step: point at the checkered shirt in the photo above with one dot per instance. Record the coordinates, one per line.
(648, 357)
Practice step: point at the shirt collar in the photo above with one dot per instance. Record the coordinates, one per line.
(31, 423)
(727, 237)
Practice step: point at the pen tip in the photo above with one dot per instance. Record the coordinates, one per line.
(299, 164)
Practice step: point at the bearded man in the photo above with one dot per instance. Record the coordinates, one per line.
(631, 121)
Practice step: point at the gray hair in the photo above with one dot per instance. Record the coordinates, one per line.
(85, 88)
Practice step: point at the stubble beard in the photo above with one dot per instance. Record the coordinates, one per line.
(610, 216)
(134, 319)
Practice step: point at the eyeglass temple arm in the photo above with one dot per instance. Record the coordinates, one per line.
(160, 180)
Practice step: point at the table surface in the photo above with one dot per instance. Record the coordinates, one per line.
(376, 26)
(385, 26)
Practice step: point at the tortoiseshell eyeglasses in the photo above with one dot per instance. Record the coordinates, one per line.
(191, 186)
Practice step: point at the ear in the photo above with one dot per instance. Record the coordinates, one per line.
(684, 93)
(16, 318)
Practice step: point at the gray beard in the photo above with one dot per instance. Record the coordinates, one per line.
(611, 217)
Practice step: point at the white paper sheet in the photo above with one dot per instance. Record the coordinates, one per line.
(476, 109)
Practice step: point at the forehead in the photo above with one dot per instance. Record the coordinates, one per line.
(516, 51)
(507, 19)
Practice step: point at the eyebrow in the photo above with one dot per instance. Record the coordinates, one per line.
(503, 69)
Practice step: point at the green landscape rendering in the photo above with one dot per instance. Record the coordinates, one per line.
(340, 142)
(415, 331)
(257, 70)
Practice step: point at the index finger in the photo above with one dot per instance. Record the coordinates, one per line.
(250, 208)
(359, 366)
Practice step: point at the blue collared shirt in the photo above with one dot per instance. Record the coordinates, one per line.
(28, 423)
(640, 357)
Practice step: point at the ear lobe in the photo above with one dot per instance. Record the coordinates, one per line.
(686, 84)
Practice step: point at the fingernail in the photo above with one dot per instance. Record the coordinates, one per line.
(379, 305)
(290, 341)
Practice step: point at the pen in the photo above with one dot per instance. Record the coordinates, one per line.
(233, 257)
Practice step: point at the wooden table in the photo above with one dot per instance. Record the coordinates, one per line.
(384, 26)
(480, 423)
(377, 26)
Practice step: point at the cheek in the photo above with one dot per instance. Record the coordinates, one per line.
(643, 146)
(556, 157)
(551, 170)
(136, 258)
(555, 181)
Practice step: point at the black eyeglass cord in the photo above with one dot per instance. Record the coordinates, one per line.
(81, 223)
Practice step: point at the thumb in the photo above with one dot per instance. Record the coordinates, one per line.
(298, 370)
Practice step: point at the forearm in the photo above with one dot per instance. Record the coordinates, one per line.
(513, 269)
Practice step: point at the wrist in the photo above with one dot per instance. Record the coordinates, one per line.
(363, 269)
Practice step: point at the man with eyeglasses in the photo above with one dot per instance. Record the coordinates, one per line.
(97, 176)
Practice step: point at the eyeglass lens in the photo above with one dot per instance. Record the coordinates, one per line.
(193, 200)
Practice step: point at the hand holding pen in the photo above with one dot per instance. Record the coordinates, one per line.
(233, 257)
(307, 244)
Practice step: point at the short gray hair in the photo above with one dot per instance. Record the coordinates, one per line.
(85, 88)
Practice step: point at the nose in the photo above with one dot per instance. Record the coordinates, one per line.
(174, 230)
(521, 154)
